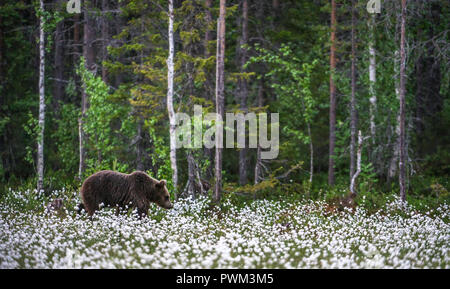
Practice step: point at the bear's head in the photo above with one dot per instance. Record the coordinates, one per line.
(154, 190)
(162, 195)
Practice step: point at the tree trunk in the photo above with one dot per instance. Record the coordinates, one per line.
(140, 149)
(243, 90)
(353, 120)
(105, 39)
(76, 46)
(393, 165)
(402, 147)
(191, 173)
(58, 88)
(170, 109)
(209, 84)
(358, 165)
(372, 79)
(220, 97)
(258, 166)
(331, 178)
(76, 38)
(40, 153)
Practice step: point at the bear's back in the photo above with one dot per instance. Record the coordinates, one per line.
(105, 186)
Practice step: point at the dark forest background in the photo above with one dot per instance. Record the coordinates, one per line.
(105, 85)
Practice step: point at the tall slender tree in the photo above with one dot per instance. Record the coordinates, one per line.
(260, 103)
(242, 88)
(353, 120)
(220, 97)
(172, 123)
(40, 153)
(209, 82)
(332, 137)
(58, 88)
(402, 144)
(105, 38)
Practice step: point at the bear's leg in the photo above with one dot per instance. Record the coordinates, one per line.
(117, 210)
(142, 212)
(90, 209)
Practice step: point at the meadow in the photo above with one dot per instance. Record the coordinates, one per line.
(195, 234)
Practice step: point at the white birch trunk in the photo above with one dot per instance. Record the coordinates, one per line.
(358, 164)
(170, 76)
(40, 153)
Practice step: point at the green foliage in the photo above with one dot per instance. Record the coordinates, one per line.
(103, 124)
(291, 79)
(51, 19)
(160, 158)
(31, 127)
(66, 138)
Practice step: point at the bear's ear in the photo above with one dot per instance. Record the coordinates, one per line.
(162, 183)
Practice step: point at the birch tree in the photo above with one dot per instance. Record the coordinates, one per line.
(40, 153)
(170, 109)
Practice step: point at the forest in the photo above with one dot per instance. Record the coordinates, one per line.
(358, 94)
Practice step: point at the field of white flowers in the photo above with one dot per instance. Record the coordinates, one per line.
(264, 234)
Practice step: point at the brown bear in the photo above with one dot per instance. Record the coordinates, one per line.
(114, 189)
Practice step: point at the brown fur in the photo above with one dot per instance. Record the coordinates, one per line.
(114, 189)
